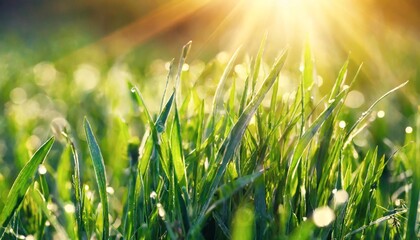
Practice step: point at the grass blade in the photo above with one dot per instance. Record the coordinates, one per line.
(291, 181)
(308, 71)
(77, 185)
(257, 64)
(99, 167)
(140, 101)
(227, 190)
(365, 114)
(42, 203)
(413, 210)
(230, 144)
(171, 65)
(163, 117)
(22, 183)
(176, 147)
(184, 54)
(218, 96)
(243, 224)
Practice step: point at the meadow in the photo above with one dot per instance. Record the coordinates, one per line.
(201, 150)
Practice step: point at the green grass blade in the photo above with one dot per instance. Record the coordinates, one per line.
(291, 181)
(177, 155)
(260, 206)
(140, 101)
(304, 231)
(99, 167)
(230, 144)
(42, 203)
(221, 224)
(145, 154)
(22, 183)
(77, 185)
(128, 213)
(218, 96)
(177, 86)
(257, 65)
(163, 117)
(244, 97)
(339, 81)
(227, 190)
(243, 224)
(308, 71)
(185, 50)
(327, 129)
(366, 113)
(171, 65)
(413, 211)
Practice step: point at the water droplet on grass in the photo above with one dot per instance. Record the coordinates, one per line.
(42, 169)
(342, 124)
(161, 211)
(185, 67)
(110, 190)
(153, 195)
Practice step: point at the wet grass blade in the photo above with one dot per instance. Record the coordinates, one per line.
(163, 117)
(366, 113)
(99, 167)
(291, 181)
(233, 140)
(22, 183)
(326, 131)
(42, 203)
(140, 101)
(218, 96)
(77, 185)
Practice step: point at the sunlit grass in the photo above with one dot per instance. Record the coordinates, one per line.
(191, 158)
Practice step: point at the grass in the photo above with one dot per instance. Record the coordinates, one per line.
(253, 163)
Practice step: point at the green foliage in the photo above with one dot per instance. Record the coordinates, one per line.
(99, 167)
(242, 159)
(21, 184)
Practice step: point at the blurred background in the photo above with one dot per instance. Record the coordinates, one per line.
(61, 60)
(384, 35)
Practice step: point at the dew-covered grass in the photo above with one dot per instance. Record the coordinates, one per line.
(215, 150)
